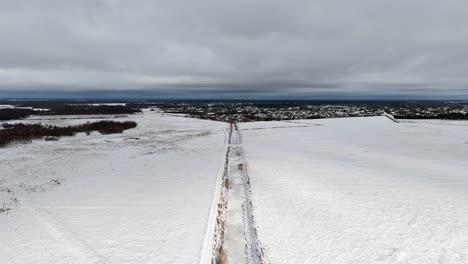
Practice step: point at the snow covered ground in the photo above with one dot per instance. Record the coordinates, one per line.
(355, 190)
(360, 190)
(143, 196)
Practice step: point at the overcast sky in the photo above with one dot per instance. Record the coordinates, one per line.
(236, 48)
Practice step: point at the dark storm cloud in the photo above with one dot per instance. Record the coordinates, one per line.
(264, 46)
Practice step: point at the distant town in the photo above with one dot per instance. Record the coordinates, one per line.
(234, 111)
(266, 111)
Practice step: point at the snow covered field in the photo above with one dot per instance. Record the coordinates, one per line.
(360, 190)
(179, 190)
(143, 196)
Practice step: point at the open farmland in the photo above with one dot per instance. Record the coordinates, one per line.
(360, 190)
(183, 190)
(143, 196)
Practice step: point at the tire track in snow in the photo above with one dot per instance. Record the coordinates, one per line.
(212, 249)
(254, 247)
(77, 248)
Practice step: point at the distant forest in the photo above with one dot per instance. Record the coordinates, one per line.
(64, 108)
(447, 116)
(25, 133)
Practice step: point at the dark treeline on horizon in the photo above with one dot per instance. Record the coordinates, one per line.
(25, 133)
(26, 108)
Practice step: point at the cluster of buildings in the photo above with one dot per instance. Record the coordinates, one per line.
(245, 112)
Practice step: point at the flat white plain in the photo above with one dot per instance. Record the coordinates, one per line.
(120, 199)
(360, 190)
(356, 190)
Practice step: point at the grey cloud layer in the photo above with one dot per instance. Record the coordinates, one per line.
(272, 46)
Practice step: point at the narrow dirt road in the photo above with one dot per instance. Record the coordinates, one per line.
(235, 236)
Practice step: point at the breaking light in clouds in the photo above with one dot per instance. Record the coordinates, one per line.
(240, 47)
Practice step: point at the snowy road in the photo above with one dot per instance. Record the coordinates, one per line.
(235, 239)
